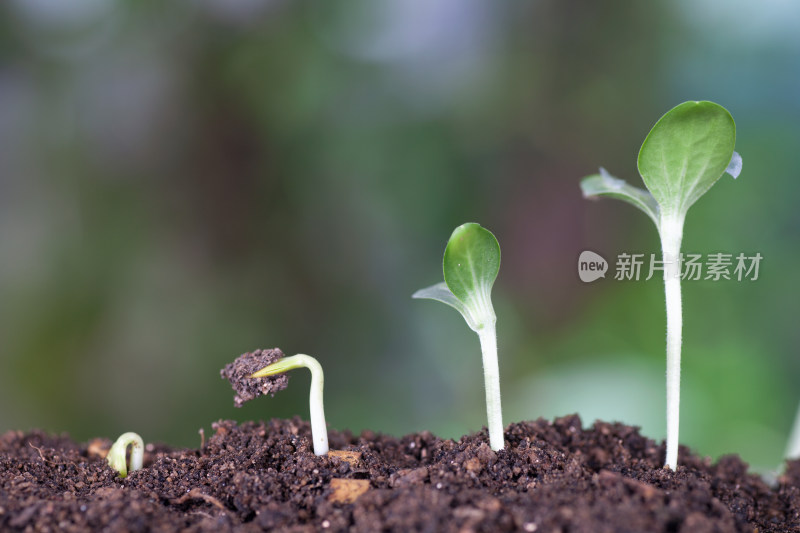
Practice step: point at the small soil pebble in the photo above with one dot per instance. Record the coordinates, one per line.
(247, 388)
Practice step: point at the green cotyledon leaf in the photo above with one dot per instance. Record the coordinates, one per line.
(686, 152)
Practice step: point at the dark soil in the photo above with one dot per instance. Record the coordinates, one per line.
(551, 477)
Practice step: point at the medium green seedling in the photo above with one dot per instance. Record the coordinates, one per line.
(471, 263)
(684, 154)
(116, 455)
(319, 431)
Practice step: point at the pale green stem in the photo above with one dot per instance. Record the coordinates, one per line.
(116, 455)
(793, 447)
(491, 374)
(319, 431)
(671, 230)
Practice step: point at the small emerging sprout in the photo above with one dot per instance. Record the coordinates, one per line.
(685, 153)
(470, 265)
(319, 431)
(118, 451)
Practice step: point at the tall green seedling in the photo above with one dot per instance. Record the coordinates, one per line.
(684, 154)
(471, 263)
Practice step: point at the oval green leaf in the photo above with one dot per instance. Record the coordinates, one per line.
(471, 262)
(686, 152)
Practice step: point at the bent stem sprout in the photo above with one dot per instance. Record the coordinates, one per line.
(116, 455)
(319, 431)
(684, 154)
(470, 265)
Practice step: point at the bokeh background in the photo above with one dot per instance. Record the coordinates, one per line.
(182, 182)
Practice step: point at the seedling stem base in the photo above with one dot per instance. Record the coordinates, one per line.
(491, 373)
(671, 230)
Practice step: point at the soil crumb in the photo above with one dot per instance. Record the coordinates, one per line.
(247, 388)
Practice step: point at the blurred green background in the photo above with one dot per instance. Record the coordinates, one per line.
(183, 182)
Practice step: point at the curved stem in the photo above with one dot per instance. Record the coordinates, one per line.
(116, 455)
(319, 431)
(671, 230)
(491, 375)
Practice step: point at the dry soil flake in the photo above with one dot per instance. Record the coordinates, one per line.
(247, 388)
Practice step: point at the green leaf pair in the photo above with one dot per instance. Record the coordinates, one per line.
(471, 263)
(684, 154)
